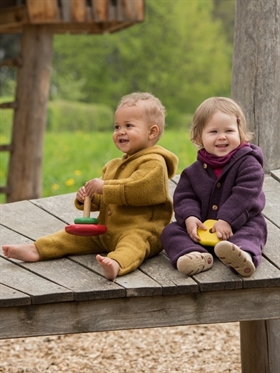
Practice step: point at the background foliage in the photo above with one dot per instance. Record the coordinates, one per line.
(181, 53)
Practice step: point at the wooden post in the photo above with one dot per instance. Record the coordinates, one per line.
(260, 346)
(24, 177)
(256, 73)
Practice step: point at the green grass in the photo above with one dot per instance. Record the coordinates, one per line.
(70, 159)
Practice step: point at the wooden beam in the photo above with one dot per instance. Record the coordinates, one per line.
(33, 79)
(264, 335)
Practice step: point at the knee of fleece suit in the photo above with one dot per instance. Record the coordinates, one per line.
(176, 242)
(132, 251)
(61, 243)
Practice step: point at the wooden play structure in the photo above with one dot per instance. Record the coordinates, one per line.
(71, 295)
(38, 21)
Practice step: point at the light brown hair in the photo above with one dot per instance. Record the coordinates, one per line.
(154, 109)
(208, 108)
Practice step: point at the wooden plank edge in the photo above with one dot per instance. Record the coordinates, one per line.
(139, 313)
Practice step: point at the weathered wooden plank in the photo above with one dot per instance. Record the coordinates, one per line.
(271, 250)
(218, 278)
(140, 312)
(60, 206)
(28, 220)
(78, 28)
(8, 236)
(112, 11)
(272, 206)
(140, 10)
(172, 187)
(78, 10)
(135, 283)
(39, 289)
(130, 10)
(86, 284)
(176, 178)
(100, 9)
(66, 10)
(276, 174)
(10, 297)
(266, 275)
(43, 11)
(74, 11)
(172, 281)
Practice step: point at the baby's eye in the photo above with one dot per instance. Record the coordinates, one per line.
(128, 125)
(116, 127)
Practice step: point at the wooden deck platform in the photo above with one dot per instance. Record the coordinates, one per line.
(70, 295)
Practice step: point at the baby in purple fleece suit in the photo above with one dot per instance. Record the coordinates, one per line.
(224, 184)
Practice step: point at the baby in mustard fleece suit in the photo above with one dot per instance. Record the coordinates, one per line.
(131, 196)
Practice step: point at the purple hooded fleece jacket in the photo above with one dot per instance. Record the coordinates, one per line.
(236, 196)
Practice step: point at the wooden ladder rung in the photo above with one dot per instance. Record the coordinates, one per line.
(8, 105)
(4, 189)
(12, 62)
(6, 148)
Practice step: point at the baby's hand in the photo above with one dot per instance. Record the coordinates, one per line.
(223, 229)
(81, 194)
(94, 186)
(192, 223)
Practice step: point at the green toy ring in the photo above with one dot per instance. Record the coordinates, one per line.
(86, 221)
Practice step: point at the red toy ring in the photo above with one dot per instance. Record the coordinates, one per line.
(86, 229)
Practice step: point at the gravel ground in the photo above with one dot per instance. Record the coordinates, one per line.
(199, 349)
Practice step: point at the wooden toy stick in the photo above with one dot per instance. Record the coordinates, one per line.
(86, 226)
(87, 203)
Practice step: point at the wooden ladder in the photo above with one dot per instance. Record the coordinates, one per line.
(13, 63)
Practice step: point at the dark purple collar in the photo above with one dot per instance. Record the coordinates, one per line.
(217, 162)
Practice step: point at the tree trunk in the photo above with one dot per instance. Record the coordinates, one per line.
(256, 73)
(24, 177)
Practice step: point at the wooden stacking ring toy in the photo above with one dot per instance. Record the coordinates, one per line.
(86, 226)
(207, 237)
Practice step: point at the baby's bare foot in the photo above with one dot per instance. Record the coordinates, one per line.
(110, 267)
(25, 252)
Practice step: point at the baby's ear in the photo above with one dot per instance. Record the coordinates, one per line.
(154, 131)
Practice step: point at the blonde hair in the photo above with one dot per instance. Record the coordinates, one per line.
(154, 109)
(208, 108)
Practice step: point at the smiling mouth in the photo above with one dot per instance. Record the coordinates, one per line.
(222, 146)
(123, 141)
